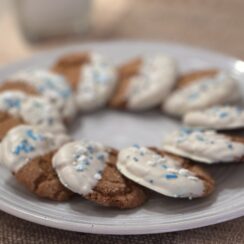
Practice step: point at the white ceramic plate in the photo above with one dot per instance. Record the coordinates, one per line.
(159, 214)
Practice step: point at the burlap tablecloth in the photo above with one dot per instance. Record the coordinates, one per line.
(214, 24)
(15, 230)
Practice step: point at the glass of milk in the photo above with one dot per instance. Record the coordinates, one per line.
(48, 18)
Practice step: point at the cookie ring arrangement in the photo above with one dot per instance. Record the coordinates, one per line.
(36, 105)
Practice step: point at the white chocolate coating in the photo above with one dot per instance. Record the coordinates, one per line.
(11, 102)
(80, 164)
(23, 143)
(40, 112)
(218, 117)
(203, 93)
(52, 86)
(156, 79)
(33, 110)
(204, 146)
(161, 174)
(97, 82)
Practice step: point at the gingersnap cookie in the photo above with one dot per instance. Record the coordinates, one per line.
(33, 110)
(89, 169)
(27, 152)
(164, 173)
(7, 122)
(205, 146)
(70, 65)
(144, 83)
(52, 86)
(92, 77)
(203, 93)
(217, 117)
(191, 77)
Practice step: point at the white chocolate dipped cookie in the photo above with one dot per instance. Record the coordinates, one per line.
(145, 83)
(205, 146)
(27, 152)
(203, 93)
(33, 110)
(73, 160)
(164, 173)
(88, 169)
(97, 82)
(52, 86)
(92, 77)
(25, 142)
(217, 117)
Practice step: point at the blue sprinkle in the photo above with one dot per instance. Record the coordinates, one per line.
(99, 78)
(164, 166)
(230, 146)
(80, 167)
(136, 146)
(193, 96)
(200, 138)
(135, 159)
(204, 86)
(87, 162)
(66, 93)
(11, 103)
(101, 157)
(49, 85)
(90, 149)
(186, 131)
(50, 121)
(23, 146)
(34, 136)
(170, 176)
(77, 156)
(223, 114)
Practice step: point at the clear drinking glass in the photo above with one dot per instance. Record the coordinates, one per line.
(48, 18)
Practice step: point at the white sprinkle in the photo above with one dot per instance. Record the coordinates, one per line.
(172, 170)
(184, 172)
(151, 163)
(192, 178)
(98, 176)
(81, 158)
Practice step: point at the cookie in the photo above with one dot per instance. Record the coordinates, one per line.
(89, 169)
(144, 83)
(203, 93)
(33, 110)
(164, 173)
(92, 77)
(53, 87)
(7, 122)
(39, 177)
(191, 77)
(27, 152)
(217, 117)
(207, 147)
(69, 66)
